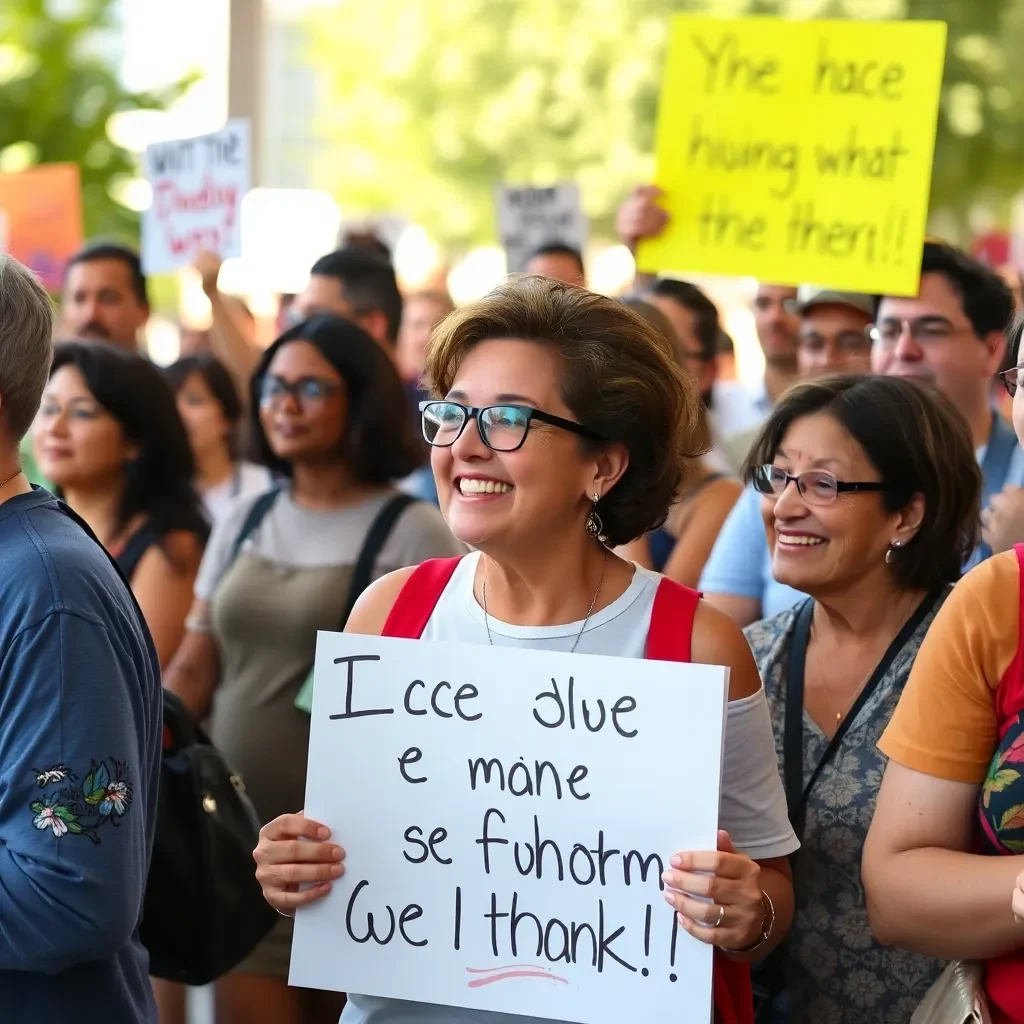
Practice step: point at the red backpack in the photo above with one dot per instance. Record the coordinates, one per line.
(667, 640)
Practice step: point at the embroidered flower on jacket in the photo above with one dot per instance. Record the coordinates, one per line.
(52, 815)
(117, 798)
(103, 796)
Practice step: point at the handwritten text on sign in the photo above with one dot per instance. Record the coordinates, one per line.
(798, 151)
(529, 218)
(198, 187)
(506, 816)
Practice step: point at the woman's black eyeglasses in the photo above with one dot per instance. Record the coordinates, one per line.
(816, 486)
(503, 428)
(1010, 379)
(306, 391)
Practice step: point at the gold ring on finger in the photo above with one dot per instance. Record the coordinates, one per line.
(718, 920)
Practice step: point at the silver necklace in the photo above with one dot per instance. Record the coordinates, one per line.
(590, 610)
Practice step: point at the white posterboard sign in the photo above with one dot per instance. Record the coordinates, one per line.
(198, 187)
(529, 218)
(506, 815)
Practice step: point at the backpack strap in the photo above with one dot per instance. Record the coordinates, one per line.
(418, 598)
(670, 638)
(375, 540)
(670, 634)
(257, 513)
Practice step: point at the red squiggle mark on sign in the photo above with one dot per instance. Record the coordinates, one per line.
(514, 971)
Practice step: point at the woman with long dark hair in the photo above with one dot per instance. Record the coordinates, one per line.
(211, 409)
(109, 436)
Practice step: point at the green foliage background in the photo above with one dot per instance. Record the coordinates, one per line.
(429, 103)
(59, 88)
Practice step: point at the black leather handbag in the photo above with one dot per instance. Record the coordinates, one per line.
(204, 911)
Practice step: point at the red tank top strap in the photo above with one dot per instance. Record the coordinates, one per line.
(418, 598)
(670, 638)
(671, 629)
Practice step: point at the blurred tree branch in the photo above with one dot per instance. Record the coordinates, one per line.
(58, 90)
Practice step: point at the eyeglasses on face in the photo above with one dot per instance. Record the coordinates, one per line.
(503, 428)
(306, 390)
(1011, 379)
(816, 486)
(923, 331)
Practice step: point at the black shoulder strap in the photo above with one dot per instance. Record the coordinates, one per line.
(67, 510)
(376, 538)
(257, 513)
(793, 736)
(138, 544)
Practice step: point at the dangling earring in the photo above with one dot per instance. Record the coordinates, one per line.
(594, 524)
(896, 544)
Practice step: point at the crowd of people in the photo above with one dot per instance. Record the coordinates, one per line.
(848, 540)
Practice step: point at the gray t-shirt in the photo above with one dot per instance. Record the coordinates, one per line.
(300, 537)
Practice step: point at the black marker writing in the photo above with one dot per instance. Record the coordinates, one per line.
(349, 713)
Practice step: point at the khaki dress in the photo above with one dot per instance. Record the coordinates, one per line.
(265, 612)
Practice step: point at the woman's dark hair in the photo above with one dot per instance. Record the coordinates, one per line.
(216, 377)
(620, 378)
(220, 383)
(158, 482)
(380, 442)
(919, 443)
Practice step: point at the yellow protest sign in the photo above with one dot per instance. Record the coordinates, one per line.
(798, 151)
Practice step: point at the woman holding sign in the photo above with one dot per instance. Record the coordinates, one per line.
(561, 428)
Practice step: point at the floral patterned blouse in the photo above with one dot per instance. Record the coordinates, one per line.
(836, 972)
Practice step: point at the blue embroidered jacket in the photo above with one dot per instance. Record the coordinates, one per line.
(80, 737)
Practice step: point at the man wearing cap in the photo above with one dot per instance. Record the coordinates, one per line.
(832, 338)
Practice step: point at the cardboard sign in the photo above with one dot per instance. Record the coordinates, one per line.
(41, 219)
(198, 187)
(529, 218)
(798, 151)
(506, 816)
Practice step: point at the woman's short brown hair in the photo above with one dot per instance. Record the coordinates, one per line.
(919, 443)
(619, 379)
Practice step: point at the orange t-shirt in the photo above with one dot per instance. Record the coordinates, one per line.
(945, 724)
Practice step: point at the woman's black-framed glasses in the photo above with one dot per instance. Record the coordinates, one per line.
(503, 428)
(816, 486)
(306, 391)
(1011, 379)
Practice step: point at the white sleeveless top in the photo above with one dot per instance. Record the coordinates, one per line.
(753, 809)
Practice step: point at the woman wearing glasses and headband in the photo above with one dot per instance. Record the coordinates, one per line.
(870, 495)
(331, 416)
(561, 428)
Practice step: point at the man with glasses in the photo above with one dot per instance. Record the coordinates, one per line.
(953, 334)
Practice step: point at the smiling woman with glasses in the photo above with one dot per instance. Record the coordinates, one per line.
(870, 493)
(562, 428)
(330, 417)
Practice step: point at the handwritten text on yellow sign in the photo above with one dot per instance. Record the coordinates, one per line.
(798, 151)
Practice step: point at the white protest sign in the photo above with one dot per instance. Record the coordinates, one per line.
(198, 186)
(506, 815)
(529, 218)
